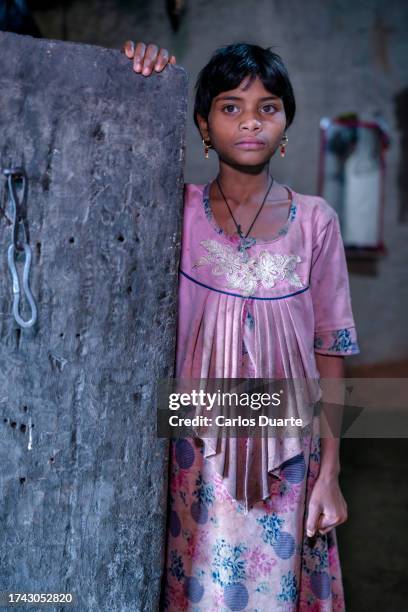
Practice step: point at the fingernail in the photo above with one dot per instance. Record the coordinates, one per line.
(130, 50)
(138, 67)
(310, 533)
(145, 71)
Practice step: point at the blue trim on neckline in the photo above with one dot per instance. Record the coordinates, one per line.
(245, 297)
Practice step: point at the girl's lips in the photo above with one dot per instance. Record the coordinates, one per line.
(250, 145)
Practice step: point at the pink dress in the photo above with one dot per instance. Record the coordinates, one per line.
(237, 516)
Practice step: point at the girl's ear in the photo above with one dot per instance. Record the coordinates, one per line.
(203, 127)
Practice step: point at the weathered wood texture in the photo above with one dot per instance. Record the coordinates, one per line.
(83, 477)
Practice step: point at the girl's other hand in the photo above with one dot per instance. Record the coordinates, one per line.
(327, 506)
(147, 58)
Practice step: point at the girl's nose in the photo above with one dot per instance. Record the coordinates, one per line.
(250, 124)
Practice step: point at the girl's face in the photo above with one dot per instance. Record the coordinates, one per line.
(245, 125)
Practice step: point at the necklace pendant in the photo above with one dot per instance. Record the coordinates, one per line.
(245, 255)
(245, 243)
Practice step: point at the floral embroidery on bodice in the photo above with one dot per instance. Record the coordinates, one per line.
(265, 269)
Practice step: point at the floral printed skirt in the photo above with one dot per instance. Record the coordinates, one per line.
(219, 559)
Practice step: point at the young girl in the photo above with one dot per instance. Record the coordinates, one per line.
(263, 293)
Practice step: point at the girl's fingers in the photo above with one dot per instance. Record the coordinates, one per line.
(328, 522)
(128, 48)
(162, 60)
(150, 59)
(147, 57)
(139, 57)
(312, 519)
(324, 530)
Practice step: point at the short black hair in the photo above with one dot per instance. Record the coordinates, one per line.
(230, 64)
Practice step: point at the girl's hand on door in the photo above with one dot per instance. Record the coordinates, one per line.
(147, 58)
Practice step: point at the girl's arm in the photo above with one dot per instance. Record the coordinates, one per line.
(331, 367)
(327, 506)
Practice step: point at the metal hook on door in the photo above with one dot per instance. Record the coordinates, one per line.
(16, 206)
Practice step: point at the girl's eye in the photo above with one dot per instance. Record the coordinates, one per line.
(229, 108)
(269, 108)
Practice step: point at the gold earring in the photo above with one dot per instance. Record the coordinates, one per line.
(284, 142)
(207, 146)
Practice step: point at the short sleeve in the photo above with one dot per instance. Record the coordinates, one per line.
(335, 332)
